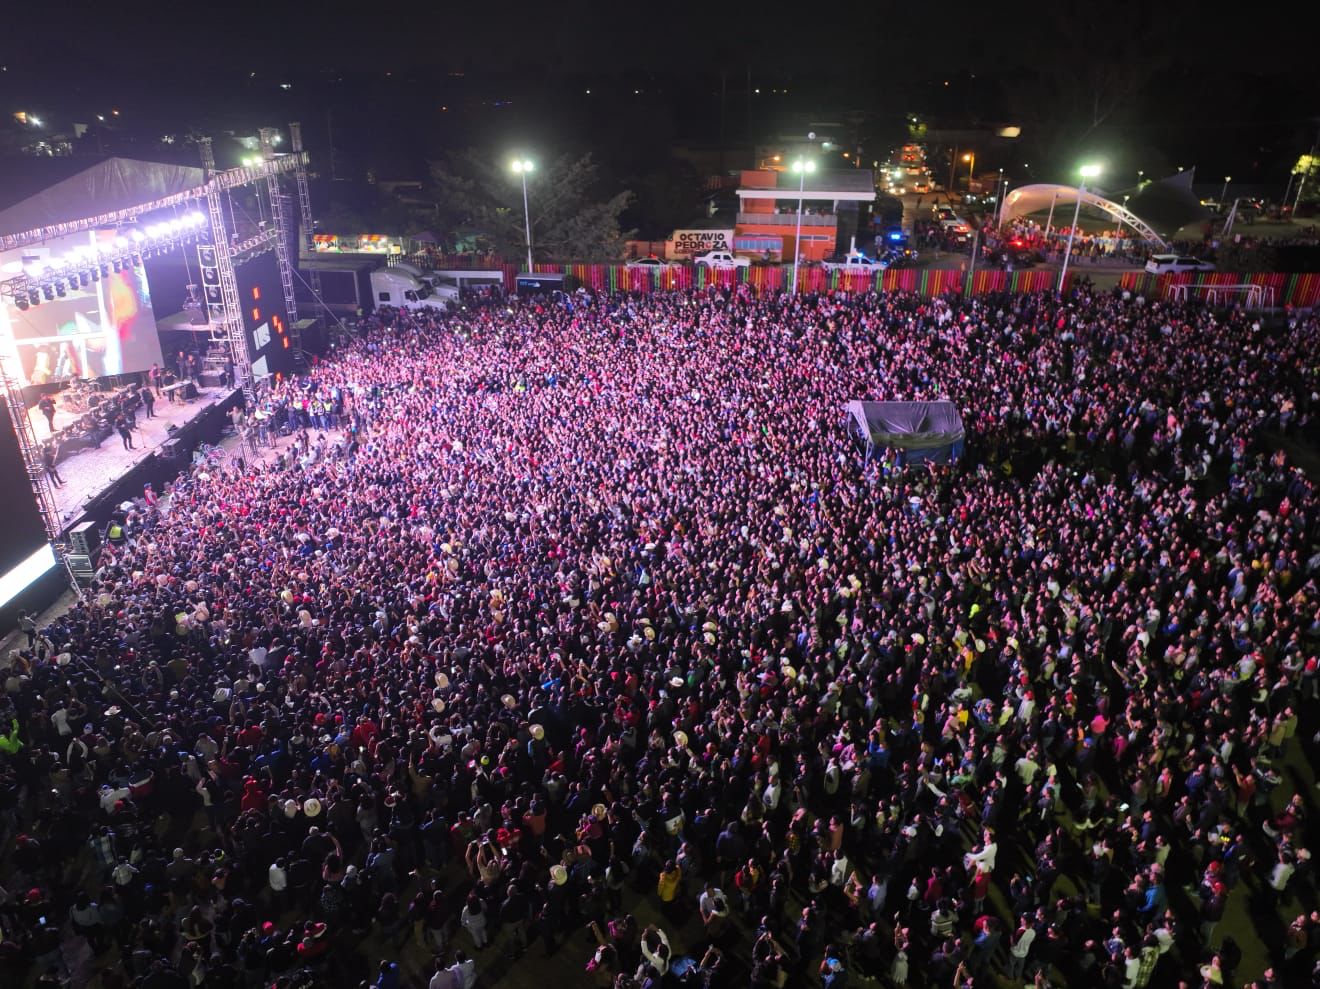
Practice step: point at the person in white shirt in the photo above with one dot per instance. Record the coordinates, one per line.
(278, 878)
(464, 971)
(60, 719)
(1019, 950)
(123, 873)
(443, 977)
(771, 795)
(983, 859)
(1027, 768)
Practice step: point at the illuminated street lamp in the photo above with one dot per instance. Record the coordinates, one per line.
(970, 158)
(802, 167)
(1223, 195)
(1088, 172)
(521, 167)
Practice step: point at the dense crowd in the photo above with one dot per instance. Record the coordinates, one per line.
(587, 619)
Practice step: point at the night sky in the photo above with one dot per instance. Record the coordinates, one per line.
(1146, 85)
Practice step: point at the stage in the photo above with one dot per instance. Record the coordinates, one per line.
(90, 473)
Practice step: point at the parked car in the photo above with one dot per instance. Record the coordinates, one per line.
(854, 261)
(1164, 264)
(722, 259)
(651, 262)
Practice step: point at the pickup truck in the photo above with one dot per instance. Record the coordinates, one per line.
(854, 261)
(722, 259)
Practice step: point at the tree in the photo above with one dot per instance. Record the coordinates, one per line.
(570, 222)
(1306, 177)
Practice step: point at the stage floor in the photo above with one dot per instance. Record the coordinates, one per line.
(89, 473)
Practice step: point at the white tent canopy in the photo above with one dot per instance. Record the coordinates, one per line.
(1029, 199)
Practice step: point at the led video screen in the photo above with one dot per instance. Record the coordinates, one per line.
(92, 330)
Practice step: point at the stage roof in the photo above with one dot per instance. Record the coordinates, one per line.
(49, 191)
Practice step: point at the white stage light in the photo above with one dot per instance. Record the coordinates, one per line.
(138, 236)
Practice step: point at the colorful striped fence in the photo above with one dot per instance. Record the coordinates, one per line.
(1301, 290)
(931, 282)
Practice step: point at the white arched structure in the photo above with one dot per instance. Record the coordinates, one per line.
(1029, 199)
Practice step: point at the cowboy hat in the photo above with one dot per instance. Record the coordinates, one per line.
(441, 679)
(599, 811)
(438, 705)
(676, 681)
(559, 874)
(509, 701)
(290, 808)
(537, 732)
(681, 739)
(311, 806)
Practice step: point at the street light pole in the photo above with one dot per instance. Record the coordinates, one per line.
(522, 167)
(1088, 172)
(802, 168)
(1223, 194)
(970, 158)
(1049, 221)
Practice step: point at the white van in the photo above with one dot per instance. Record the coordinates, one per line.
(1165, 264)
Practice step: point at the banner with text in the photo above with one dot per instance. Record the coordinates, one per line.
(692, 243)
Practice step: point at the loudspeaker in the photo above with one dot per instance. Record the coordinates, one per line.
(174, 449)
(85, 539)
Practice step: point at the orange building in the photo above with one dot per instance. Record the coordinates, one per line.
(768, 206)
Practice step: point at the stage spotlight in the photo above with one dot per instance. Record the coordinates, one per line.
(105, 268)
(138, 236)
(60, 289)
(48, 291)
(34, 297)
(95, 273)
(21, 302)
(75, 280)
(137, 260)
(121, 241)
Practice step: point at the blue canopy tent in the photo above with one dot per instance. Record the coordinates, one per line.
(923, 432)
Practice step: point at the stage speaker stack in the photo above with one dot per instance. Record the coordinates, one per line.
(85, 539)
(174, 449)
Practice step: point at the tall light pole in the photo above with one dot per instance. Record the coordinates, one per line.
(1000, 189)
(521, 167)
(1088, 172)
(970, 158)
(1223, 195)
(802, 167)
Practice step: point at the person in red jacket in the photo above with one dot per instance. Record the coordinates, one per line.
(254, 796)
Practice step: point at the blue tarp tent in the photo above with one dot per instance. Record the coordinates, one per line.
(923, 431)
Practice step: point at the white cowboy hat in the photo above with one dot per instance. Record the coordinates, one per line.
(442, 679)
(438, 705)
(558, 874)
(509, 701)
(681, 739)
(311, 806)
(537, 732)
